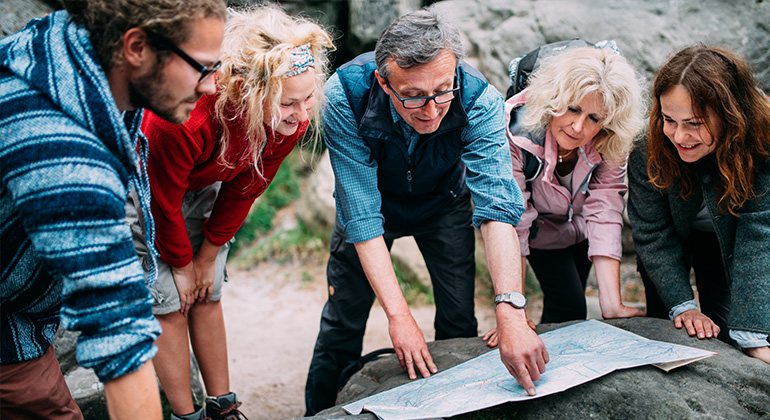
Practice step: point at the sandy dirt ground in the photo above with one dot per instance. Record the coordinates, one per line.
(272, 315)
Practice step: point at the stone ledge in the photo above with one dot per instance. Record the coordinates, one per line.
(729, 385)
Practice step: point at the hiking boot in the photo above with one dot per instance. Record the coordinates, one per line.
(198, 414)
(224, 407)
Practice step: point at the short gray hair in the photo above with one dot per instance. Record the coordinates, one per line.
(415, 39)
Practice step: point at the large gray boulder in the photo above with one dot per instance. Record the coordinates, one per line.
(728, 385)
(14, 14)
(646, 31)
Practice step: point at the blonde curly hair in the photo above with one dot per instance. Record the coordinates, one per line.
(256, 57)
(565, 79)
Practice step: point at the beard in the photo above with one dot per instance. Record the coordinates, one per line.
(153, 93)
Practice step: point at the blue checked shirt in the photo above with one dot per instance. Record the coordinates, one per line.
(495, 194)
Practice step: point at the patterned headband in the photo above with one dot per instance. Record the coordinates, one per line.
(301, 60)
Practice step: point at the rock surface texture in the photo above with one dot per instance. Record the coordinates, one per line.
(646, 31)
(729, 385)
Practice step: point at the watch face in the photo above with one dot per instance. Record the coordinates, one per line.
(518, 300)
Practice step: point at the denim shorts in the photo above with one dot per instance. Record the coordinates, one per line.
(196, 208)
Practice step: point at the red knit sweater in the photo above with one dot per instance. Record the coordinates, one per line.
(184, 158)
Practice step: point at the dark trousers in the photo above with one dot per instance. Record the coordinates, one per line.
(702, 254)
(562, 274)
(447, 245)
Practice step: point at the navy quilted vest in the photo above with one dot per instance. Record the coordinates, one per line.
(414, 188)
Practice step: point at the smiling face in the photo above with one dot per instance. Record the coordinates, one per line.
(296, 102)
(579, 124)
(688, 132)
(171, 88)
(424, 80)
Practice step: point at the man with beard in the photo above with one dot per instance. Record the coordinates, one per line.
(72, 89)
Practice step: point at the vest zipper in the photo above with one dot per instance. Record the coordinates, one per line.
(409, 174)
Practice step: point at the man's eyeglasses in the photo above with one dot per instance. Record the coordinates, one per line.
(415, 102)
(205, 72)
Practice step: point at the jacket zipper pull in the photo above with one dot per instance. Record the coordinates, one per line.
(409, 178)
(569, 214)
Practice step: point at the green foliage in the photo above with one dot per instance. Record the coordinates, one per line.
(280, 193)
(414, 291)
(300, 244)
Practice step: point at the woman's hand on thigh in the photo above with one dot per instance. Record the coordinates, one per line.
(185, 284)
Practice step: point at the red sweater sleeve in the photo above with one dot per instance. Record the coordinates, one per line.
(174, 150)
(238, 195)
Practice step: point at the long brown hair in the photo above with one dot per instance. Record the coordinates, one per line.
(719, 80)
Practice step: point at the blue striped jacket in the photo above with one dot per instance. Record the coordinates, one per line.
(67, 161)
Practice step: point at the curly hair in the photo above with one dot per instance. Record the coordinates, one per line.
(256, 57)
(720, 81)
(108, 20)
(566, 78)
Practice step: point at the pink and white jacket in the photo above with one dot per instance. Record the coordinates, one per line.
(554, 217)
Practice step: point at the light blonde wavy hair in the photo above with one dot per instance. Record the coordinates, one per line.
(256, 55)
(565, 79)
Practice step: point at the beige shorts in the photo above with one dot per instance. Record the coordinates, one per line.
(196, 208)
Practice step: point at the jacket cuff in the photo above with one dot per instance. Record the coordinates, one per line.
(682, 307)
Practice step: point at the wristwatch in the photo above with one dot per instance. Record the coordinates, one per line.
(515, 299)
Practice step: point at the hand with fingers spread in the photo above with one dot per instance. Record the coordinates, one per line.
(184, 278)
(696, 323)
(410, 346)
(523, 353)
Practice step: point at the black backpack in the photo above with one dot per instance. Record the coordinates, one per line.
(519, 70)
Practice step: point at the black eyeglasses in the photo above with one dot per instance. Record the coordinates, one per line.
(205, 72)
(416, 102)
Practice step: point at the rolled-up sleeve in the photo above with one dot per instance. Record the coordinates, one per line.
(603, 211)
(496, 196)
(356, 194)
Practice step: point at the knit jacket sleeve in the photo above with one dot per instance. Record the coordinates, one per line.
(749, 261)
(238, 195)
(657, 244)
(68, 192)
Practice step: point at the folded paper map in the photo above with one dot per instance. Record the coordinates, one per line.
(578, 353)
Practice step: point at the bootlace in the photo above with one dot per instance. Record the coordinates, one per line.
(233, 410)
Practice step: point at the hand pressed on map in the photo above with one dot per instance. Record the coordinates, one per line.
(410, 346)
(491, 336)
(523, 353)
(695, 322)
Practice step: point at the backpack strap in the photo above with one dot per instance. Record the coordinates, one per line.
(531, 164)
(520, 68)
